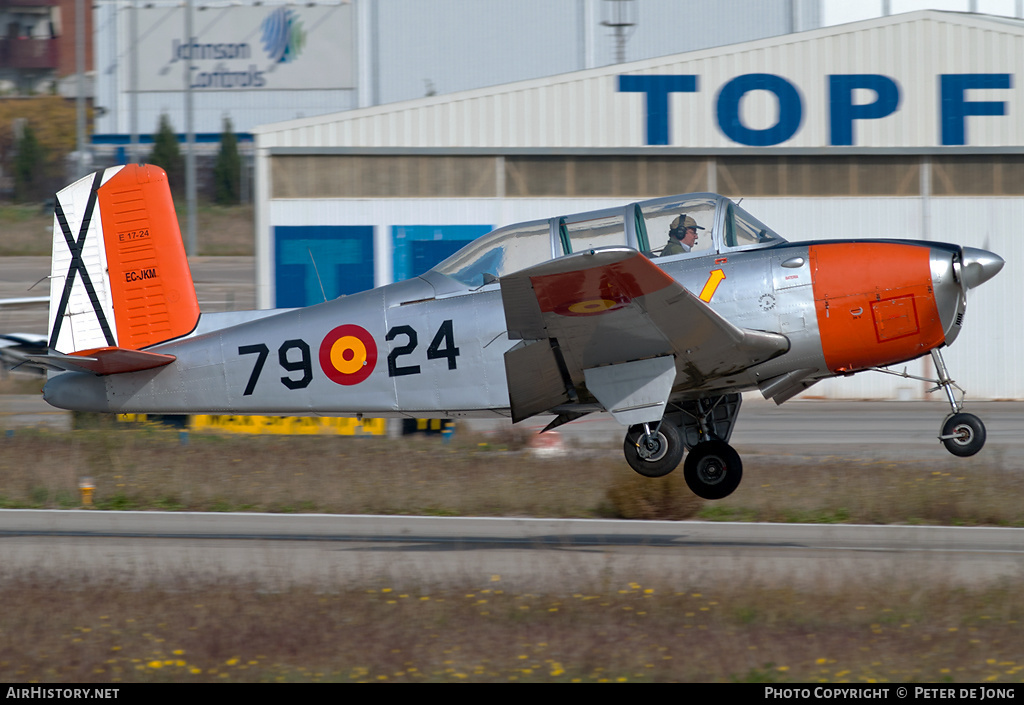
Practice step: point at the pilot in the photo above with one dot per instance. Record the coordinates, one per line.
(682, 235)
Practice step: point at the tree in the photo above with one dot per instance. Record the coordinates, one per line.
(227, 170)
(53, 123)
(167, 154)
(28, 165)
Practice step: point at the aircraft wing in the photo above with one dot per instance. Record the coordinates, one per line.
(15, 348)
(612, 322)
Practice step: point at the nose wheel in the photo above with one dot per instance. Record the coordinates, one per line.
(962, 434)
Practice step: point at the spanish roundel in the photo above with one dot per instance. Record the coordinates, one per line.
(348, 354)
(592, 307)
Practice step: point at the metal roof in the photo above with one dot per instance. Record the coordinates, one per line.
(593, 110)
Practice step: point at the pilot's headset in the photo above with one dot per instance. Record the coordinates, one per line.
(677, 228)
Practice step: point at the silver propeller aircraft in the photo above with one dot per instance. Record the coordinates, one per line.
(659, 312)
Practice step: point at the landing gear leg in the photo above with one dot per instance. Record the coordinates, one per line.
(713, 469)
(962, 434)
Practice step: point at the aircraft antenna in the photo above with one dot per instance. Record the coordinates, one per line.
(317, 271)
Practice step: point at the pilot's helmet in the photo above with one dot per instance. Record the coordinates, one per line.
(677, 228)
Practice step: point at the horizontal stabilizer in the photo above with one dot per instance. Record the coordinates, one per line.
(25, 301)
(102, 361)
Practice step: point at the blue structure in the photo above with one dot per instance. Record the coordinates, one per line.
(417, 248)
(342, 256)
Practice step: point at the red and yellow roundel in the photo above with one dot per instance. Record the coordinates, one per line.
(348, 354)
(591, 307)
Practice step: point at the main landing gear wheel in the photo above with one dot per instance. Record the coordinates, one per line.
(963, 434)
(713, 470)
(655, 454)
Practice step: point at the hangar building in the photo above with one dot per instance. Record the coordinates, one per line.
(905, 126)
(260, 61)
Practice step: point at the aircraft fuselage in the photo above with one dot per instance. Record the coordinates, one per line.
(406, 350)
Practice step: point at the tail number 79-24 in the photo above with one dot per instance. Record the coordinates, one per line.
(294, 356)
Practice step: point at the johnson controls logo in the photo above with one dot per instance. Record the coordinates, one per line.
(283, 36)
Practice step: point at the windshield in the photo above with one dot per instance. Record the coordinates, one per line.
(744, 230)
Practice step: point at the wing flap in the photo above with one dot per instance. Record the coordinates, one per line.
(535, 382)
(613, 306)
(633, 392)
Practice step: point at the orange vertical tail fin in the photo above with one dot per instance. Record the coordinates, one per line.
(119, 278)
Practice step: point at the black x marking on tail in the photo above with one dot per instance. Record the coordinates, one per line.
(78, 266)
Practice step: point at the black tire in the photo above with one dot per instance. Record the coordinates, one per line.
(713, 470)
(969, 432)
(664, 451)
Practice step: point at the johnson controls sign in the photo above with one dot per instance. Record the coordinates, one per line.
(851, 101)
(247, 48)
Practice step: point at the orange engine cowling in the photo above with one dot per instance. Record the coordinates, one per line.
(875, 303)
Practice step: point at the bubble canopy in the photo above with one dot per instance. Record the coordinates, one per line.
(721, 226)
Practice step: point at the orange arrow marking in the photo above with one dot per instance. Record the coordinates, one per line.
(711, 285)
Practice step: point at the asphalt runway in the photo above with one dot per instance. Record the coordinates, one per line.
(524, 554)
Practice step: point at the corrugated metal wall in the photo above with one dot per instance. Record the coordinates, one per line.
(588, 110)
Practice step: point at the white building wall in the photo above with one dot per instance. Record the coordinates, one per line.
(492, 42)
(246, 108)
(408, 48)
